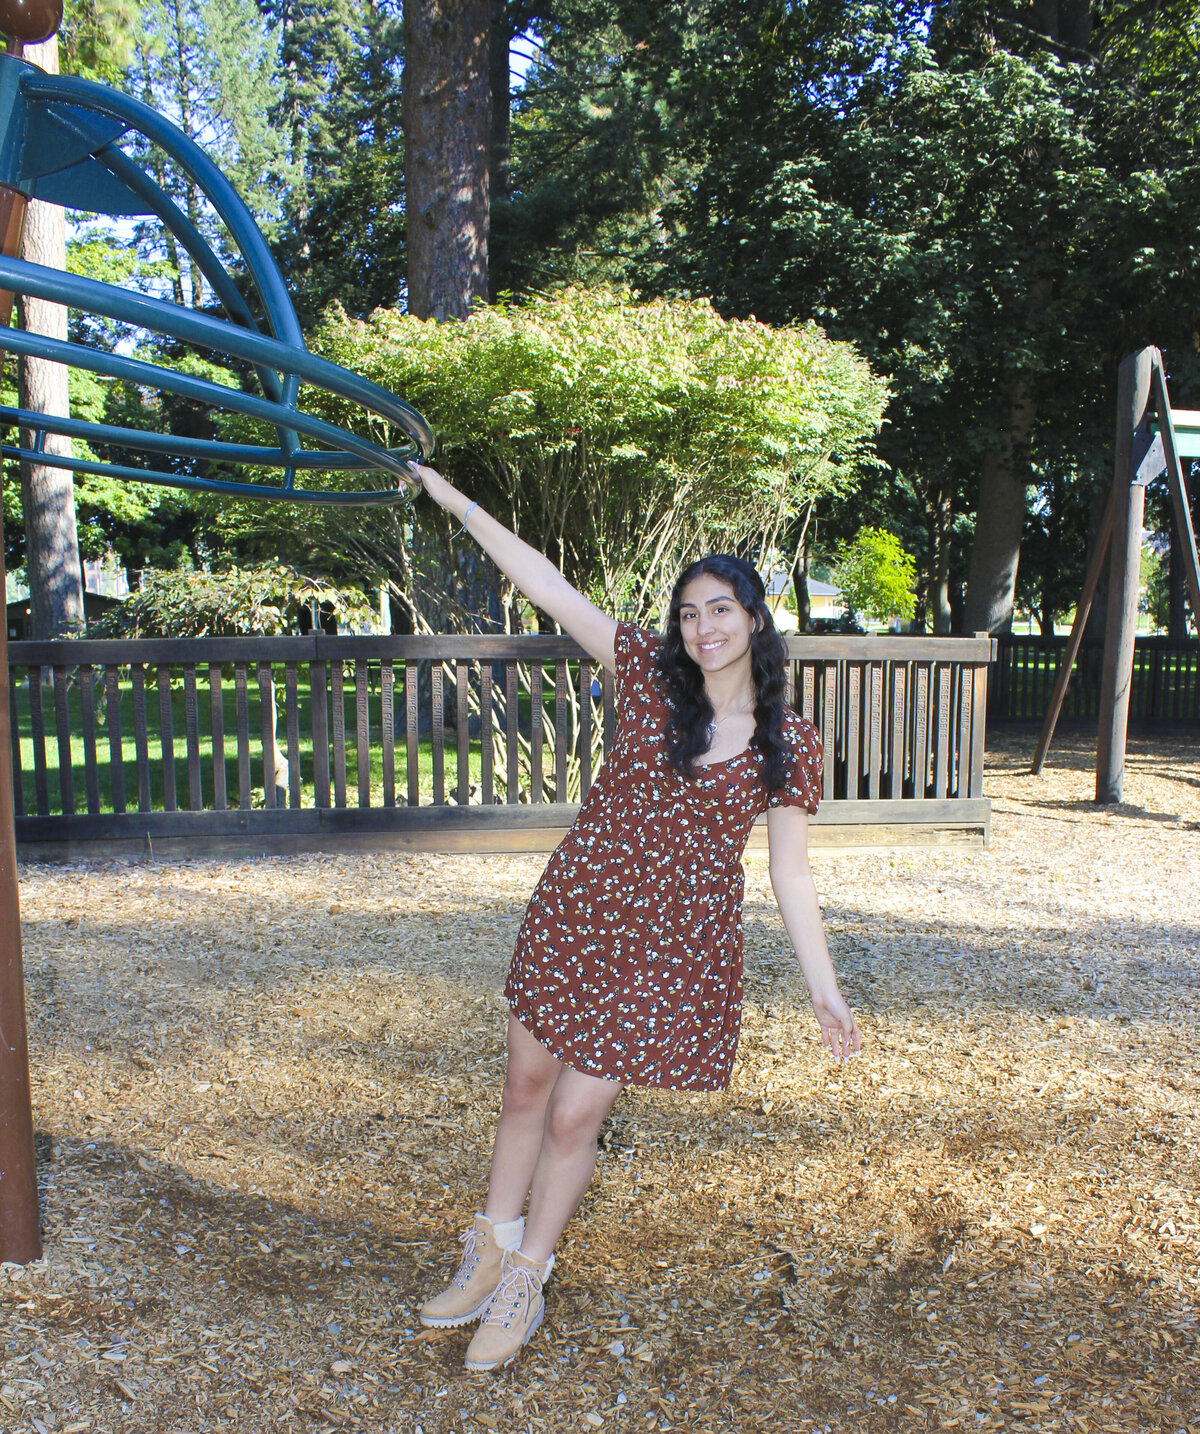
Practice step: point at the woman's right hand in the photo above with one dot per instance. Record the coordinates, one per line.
(434, 484)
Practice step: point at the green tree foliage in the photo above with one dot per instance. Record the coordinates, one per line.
(212, 66)
(993, 207)
(263, 600)
(876, 576)
(621, 438)
(339, 109)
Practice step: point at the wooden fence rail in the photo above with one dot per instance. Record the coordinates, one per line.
(484, 743)
(1165, 686)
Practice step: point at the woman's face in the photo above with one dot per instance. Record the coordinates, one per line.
(716, 628)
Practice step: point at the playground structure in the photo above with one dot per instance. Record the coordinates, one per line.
(1151, 439)
(60, 143)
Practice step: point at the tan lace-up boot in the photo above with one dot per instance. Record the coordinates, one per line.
(467, 1295)
(513, 1314)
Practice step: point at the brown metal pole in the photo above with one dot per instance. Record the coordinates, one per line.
(1133, 397)
(20, 1225)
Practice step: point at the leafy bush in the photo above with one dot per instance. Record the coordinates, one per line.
(619, 437)
(241, 601)
(876, 576)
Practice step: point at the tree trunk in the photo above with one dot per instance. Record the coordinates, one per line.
(1000, 517)
(447, 133)
(939, 587)
(48, 494)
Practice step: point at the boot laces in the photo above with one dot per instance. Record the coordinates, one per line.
(469, 1239)
(517, 1285)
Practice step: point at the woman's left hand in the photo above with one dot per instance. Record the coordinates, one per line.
(839, 1032)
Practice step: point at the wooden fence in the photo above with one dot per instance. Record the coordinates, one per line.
(1165, 688)
(472, 743)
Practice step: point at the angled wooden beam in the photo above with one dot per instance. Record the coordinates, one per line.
(1063, 680)
(1178, 488)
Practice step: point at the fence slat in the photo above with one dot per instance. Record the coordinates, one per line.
(266, 724)
(112, 720)
(412, 732)
(462, 787)
(62, 725)
(166, 731)
(585, 728)
(216, 712)
(141, 739)
(191, 726)
(338, 702)
(362, 731)
(292, 718)
(875, 731)
(318, 678)
(14, 732)
(512, 743)
(438, 696)
(561, 729)
(920, 755)
(965, 695)
(486, 735)
(808, 691)
(37, 732)
(854, 732)
(897, 763)
(829, 729)
(942, 753)
(242, 718)
(610, 711)
(387, 703)
(535, 731)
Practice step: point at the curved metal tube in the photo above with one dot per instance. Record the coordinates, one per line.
(87, 94)
(396, 461)
(258, 491)
(217, 334)
(197, 247)
(211, 450)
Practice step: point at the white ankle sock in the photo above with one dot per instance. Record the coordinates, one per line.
(510, 1234)
(547, 1264)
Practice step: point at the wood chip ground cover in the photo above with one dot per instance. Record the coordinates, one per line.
(264, 1092)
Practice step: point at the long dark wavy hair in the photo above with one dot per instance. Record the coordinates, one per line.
(688, 704)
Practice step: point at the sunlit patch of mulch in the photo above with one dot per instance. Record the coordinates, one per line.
(265, 1090)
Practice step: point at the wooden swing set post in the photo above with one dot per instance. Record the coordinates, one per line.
(1141, 399)
(1134, 381)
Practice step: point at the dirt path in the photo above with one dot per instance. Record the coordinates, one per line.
(264, 1093)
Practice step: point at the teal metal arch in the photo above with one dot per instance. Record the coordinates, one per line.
(60, 142)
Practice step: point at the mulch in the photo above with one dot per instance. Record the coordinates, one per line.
(264, 1093)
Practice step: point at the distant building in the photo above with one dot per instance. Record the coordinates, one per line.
(825, 600)
(104, 585)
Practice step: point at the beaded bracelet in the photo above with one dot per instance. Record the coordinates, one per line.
(465, 516)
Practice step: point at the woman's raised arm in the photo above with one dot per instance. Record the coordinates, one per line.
(533, 573)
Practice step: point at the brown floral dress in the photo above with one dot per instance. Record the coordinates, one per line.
(629, 960)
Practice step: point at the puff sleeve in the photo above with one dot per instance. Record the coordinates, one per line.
(803, 786)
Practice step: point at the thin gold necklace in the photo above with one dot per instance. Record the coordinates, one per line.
(716, 721)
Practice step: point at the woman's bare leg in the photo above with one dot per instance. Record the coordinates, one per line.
(574, 1114)
(532, 1072)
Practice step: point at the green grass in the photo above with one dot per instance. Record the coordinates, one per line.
(157, 768)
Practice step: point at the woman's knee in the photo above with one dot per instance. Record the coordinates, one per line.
(574, 1118)
(526, 1089)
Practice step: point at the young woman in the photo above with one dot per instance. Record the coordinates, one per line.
(628, 967)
